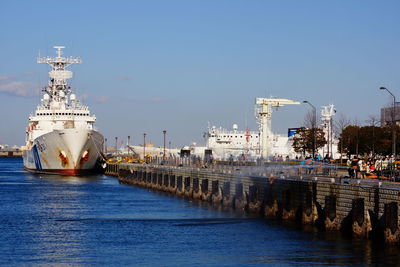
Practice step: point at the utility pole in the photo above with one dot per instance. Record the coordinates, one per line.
(393, 122)
(164, 133)
(144, 147)
(129, 141)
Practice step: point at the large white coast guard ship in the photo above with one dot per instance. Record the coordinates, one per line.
(60, 137)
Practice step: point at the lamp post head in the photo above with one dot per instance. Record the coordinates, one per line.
(305, 101)
(382, 88)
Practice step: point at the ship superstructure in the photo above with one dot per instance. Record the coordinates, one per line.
(60, 137)
(225, 143)
(245, 144)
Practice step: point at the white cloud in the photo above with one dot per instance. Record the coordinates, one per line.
(6, 77)
(102, 99)
(11, 86)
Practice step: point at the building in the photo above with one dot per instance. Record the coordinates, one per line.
(388, 114)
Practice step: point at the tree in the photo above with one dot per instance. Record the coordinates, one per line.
(373, 122)
(303, 140)
(356, 140)
(348, 140)
(340, 125)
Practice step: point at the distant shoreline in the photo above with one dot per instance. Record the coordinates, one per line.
(10, 154)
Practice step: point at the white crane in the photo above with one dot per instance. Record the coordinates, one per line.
(263, 112)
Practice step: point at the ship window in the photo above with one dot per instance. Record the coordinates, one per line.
(241, 136)
(256, 136)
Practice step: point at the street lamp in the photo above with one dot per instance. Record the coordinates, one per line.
(314, 119)
(129, 141)
(144, 147)
(393, 121)
(116, 145)
(164, 133)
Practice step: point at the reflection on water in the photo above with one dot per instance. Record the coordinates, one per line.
(68, 179)
(54, 220)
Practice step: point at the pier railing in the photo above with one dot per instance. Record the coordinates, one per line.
(289, 168)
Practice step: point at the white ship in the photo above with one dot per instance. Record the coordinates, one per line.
(60, 137)
(249, 145)
(245, 145)
(225, 144)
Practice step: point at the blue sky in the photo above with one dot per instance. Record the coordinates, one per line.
(176, 65)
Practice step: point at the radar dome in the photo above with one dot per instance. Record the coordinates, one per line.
(46, 97)
(72, 97)
(235, 127)
(62, 94)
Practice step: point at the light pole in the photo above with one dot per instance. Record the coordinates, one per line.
(105, 145)
(116, 145)
(314, 119)
(164, 133)
(129, 141)
(393, 122)
(144, 147)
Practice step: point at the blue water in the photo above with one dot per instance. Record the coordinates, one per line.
(53, 220)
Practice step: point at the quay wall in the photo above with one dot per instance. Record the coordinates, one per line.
(358, 208)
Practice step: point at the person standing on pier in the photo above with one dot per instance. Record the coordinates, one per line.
(354, 167)
(362, 168)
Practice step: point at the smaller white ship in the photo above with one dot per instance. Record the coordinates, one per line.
(60, 137)
(249, 145)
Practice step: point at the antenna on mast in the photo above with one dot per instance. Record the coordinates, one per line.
(59, 50)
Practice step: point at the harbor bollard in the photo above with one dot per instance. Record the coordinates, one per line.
(205, 193)
(196, 188)
(331, 220)
(391, 223)
(271, 207)
(216, 195)
(187, 189)
(309, 210)
(288, 210)
(239, 203)
(226, 195)
(361, 222)
(179, 186)
(254, 203)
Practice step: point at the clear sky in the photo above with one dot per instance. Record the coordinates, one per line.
(177, 65)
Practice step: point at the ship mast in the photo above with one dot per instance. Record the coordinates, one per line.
(58, 89)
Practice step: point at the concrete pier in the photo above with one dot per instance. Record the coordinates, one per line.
(361, 208)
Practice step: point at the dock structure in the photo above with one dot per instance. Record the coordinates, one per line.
(361, 208)
(10, 153)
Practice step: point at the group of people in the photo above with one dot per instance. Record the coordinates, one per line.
(373, 167)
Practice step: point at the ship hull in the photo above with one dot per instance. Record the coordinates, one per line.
(65, 152)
